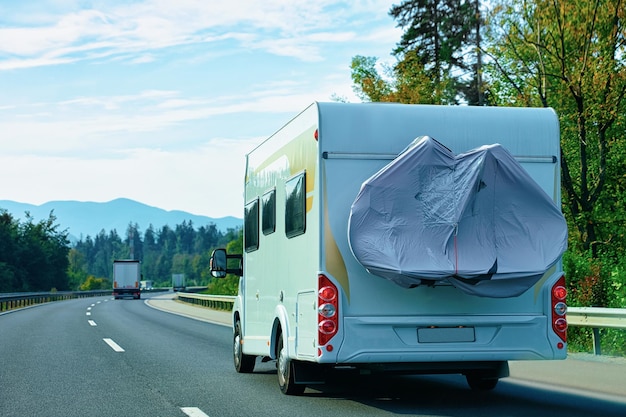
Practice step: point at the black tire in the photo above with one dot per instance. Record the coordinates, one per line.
(285, 372)
(481, 383)
(244, 364)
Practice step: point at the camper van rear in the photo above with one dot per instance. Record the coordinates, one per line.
(391, 237)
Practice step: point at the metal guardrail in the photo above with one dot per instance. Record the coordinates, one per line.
(594, 317)
(20, 300)
(610, 318)
(217, 302)
(597, 318)
(12, 301)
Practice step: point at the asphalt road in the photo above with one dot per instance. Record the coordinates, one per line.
(100, 357)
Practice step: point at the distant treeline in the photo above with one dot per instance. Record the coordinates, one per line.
(38, 256)
(33, 256)
(181, 249)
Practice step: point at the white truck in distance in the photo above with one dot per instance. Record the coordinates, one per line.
(126, 279)
(384, 237)
(178, 282)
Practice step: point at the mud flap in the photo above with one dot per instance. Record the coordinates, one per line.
(308, 373)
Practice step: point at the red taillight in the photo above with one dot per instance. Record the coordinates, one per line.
(559, 292)
(327, 327)
(560, 324)
(316, 135)
(559, 309)
(327, 293)
(327, 311)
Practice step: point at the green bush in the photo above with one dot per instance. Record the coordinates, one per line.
(595, 282)
(93, 283)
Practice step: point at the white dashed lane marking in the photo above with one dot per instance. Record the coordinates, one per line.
(113, 345)
(193, 412)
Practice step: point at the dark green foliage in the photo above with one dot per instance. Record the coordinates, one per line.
(437, 29)
(596, 282)
(33, 256)
(444, 38)
(230, 284)
(179, 250)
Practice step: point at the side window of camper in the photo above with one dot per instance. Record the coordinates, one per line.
(268, 210)
(251, 226)
(295, 213)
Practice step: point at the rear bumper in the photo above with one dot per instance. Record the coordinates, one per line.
(446, 339)
(125, 292)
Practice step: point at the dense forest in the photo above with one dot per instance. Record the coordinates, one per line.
(181, 249)
(37, 256)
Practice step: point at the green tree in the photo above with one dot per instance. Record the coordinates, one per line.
(43, 254)
(33, 256)
(133, 242)
(10, 274)
(77, 268)
(185, 237)
(93, 283)
(570, 55)
(439, 57)
(406, 82)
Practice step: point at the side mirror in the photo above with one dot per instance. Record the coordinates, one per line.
(218, 263)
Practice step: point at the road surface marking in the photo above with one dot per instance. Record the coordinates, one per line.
(93, 305)
(193, 412)
(113, 345)
(88, 308)
(92, 323)
(88, 313)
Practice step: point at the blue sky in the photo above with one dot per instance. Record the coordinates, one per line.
(159, 100)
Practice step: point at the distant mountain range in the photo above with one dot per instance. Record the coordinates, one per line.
(83, 219)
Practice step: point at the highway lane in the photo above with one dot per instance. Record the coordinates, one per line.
(53, 362)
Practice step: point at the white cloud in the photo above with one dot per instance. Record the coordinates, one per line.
(83, 123)
(287, 28)
(159, 101)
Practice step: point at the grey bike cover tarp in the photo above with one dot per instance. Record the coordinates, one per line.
(477, 220)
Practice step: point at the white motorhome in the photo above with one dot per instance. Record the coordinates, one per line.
(317, 294)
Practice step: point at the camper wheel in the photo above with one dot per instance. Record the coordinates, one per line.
(243, 363)
(481, 383)
(285, 372)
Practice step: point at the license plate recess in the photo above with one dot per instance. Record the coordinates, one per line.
(445, 334)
